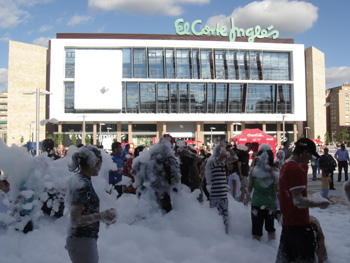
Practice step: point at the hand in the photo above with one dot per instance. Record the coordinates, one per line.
(109, 216)
(324, 204)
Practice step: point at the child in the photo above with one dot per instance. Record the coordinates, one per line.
(325, 181)
(234, 181)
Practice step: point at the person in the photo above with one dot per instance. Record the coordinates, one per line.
(4, 195)
(125, 152)
(85, 215)
(325, 181)
(287, 150)
(243, 167)
(264, 180)
(328, 164)
(347, 189)
(116, 176)
(280, 159)
(215, 172)
(342, 157)
(314, 166)
(297, 242)
(234, 181)
(129, 172)
(47, 146)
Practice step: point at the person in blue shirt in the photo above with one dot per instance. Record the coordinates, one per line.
(116, 176)
(342, 157)
(125, 151)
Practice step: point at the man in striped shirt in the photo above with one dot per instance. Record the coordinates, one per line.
(216, 176)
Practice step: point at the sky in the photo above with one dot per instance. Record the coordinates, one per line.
(190, 233)
(318, 23)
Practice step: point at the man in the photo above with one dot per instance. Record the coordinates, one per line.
(328, 164)
(47, 145)
(125, 152)
(116, 176)
(298, 242)
(342, 157)
(287, 150)
(243, 167)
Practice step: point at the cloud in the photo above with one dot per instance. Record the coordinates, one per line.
(288, 17)
(44, 28)
(4, 39)
(336, 76)
(164, 7)
(42, 41)
(3, 77)
(11, 15)
(79, 19)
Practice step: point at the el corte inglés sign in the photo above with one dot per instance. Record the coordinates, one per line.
(184, 28)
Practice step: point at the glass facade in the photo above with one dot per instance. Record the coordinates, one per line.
(174, 89)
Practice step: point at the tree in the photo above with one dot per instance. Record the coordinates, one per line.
(318, 137)
(74, 139)
(87, 139)
(301, 136)
(59, 138)
(326, 138)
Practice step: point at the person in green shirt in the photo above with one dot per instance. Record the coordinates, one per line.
(263, 181)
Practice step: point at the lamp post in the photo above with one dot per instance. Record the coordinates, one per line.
(306, 128)
(284, 128)
(100, 141)
(211, 135)
(38, 92)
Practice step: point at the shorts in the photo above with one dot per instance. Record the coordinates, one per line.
(259, 217)
(82, 249)
(297, 244)
(244, 182)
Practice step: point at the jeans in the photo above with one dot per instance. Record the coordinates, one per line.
(341, 165)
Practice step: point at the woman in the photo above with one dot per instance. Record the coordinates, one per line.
(84, 206)
(264, 180)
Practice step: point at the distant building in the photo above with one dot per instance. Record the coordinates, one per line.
(3, 114)
(338, 115)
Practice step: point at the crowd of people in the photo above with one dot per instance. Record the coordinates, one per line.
(274, 184)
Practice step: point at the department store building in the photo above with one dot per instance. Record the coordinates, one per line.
(137, 87)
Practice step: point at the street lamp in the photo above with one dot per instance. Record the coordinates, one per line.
(306, 128)
(284, 128)
(211, 135)
(38, 92)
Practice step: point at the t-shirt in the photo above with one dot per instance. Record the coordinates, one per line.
(218, 180)
(235, 177)
(264, 194)
(86, 195)
(114, 176)
(293, 176)
(243, 158)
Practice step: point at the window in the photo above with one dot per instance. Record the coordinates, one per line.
(235, 98)
(163, 97)
(184, 101)
(155, 63)
(132, 97)
(170, 63)
(174, 98)
(221, 98)
(207, 71)
(198, 97)
(211, 98)
(196, 64)
(140, 68)
(70, 63)
(232, 65)
(220, 64)
(147, 97)
(260, 98)
(183, 65)
(127, 63)
(69, 97)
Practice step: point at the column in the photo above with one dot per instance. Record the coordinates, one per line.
(295, 131)
(229, 131)
(243, 126)
(264, 126)
(94, 133)
(129, 132)
(199, 133)
(119, 131)
(278, 134)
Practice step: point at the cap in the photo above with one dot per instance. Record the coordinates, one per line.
(306, 144)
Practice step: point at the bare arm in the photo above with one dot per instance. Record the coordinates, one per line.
(303, 202)
(78, 219)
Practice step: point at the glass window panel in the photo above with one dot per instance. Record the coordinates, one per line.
(144, 127)
(127, 63)
(211, 98)
(163, 97)
(220, 64)
(132, 97)
(196, 64)
(72, 127)
(276, 66)
(235, 98)
(221, 98)
(198, 95)
(147, 97)
(260, 98)
(174, 98)
(183, 64)
(124, 98)
(156, 63)
(232, 64)
(184, 99)
(70, 63)
(242, 64)
(170, 63)
(284, 98)
(69, 97)
(255, 66)
(140, 67)
(207, 71)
